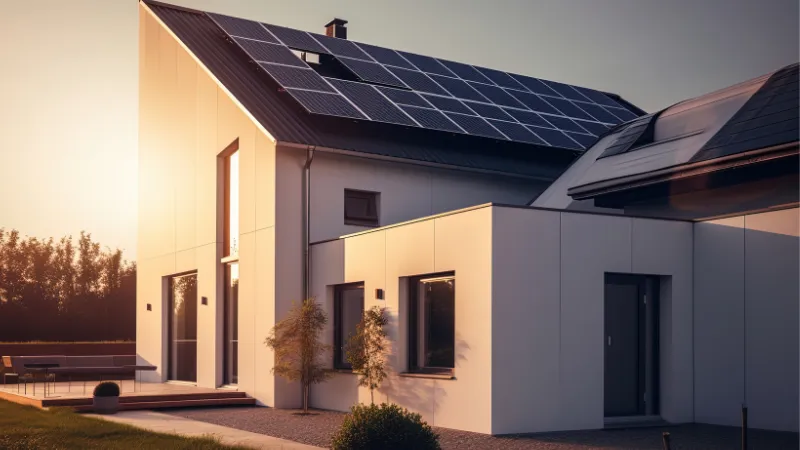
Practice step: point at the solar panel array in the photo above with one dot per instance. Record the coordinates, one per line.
(421, 91)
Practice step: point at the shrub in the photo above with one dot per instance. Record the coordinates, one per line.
(384, 427)
(106, 389)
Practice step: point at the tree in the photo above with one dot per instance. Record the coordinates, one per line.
(298, 348)
(367, 350)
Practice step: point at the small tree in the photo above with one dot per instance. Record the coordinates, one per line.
(367, 349)
(298, 348)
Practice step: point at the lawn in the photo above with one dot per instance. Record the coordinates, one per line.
(26, 427)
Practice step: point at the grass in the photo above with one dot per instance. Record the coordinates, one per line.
(26, 427)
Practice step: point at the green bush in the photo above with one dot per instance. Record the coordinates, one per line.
(106, 389)
(384, 427)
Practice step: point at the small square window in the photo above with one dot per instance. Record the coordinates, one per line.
(361, 208)
(432, 323)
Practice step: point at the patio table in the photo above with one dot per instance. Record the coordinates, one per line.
(40, 368)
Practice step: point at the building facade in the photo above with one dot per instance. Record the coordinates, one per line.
(578, 311)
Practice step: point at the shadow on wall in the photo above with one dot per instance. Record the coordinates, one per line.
(421, 395)
(746, 321)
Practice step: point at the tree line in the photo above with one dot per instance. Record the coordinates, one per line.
(65, 290)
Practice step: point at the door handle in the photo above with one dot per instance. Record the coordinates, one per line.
(609, 341)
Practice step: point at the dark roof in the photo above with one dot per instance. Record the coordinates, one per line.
(288, 123)
(768, 119)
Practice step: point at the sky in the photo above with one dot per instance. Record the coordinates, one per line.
(69, 68)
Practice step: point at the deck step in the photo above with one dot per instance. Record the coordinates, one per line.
(177, 404)
(147, 398)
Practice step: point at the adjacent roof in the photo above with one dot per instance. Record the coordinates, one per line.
(288, 122)
(756, 117)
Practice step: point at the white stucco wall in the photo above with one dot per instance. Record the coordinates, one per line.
(458, 242)
(746, 329)
(548, 320)
(406, 191)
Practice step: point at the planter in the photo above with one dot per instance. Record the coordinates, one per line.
(105, 405)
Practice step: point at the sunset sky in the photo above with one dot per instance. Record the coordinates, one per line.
(68, 75)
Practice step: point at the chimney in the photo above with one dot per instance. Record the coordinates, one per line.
(336, 28)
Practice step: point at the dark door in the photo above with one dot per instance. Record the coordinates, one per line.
(623, 393)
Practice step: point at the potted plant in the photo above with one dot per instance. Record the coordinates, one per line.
(106, 398)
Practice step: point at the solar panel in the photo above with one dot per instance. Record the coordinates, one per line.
(497, 95)
(489, 111)
(564, 124)
(325, 104)
(341, 47)
(416, 90)
(554, 138)
(448, 104)
(266, 52)
(475, 125)
(569, 109)
(296, 77)
(623, 114)
(431, 118)
(427, 64)
(628, 136)
(501, 78)
(584, 140)
(371, 102)
(418, 81)
(529, 118)
(535, 102)
(371, 72)
(402, 96)
(386, 56)
(297, 39)
(249, 29)
(566, 90)
(458, 88)
(592, 127)
(516, 132)
(597, 96)
(536, 85)
(465, 71)
(598, 112)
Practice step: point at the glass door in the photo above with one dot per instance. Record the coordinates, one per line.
(231, 323)
(183, 328)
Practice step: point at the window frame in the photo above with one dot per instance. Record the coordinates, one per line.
(374, 198)
(414, 350)
(230, 150)
(338, 311)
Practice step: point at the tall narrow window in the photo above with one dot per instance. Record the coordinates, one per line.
(432, 324)
(182, 328)
(348, 309)
(232, 323)
(232, 202)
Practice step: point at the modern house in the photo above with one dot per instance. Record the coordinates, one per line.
(551, 256)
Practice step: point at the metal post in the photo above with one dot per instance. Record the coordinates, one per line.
(744, 427)
(665, 439)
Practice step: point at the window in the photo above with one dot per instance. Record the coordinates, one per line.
(231, 226)
(348, 309)
(231, 373)
(361, 208)
(635, 134)
(182, 328)
(432, 323)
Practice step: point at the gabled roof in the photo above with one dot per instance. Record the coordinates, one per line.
(289, 123)
(742, 124)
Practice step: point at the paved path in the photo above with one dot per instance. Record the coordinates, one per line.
(165, 423)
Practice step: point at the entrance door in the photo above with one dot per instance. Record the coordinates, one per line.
(183, 328)
(631, 345)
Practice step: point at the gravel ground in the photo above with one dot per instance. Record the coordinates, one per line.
(317, 429)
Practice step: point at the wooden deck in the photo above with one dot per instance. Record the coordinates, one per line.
(146, 396)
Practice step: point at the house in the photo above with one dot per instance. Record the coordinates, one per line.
(653, 276)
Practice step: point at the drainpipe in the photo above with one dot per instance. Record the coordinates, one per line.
(307, 221)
